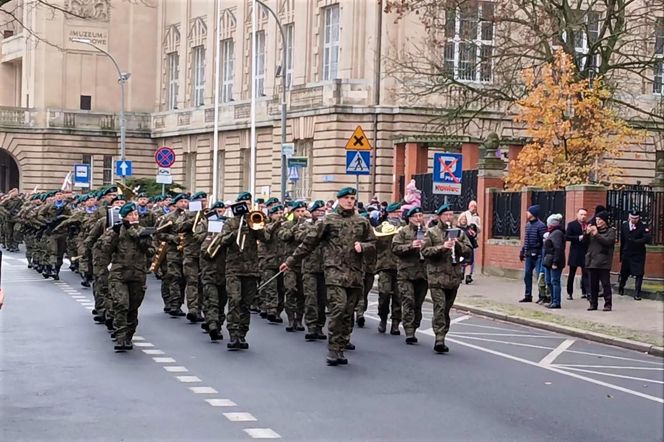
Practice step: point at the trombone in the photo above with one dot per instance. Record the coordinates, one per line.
(255, 220)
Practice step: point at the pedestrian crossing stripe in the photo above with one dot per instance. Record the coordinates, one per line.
(358, 162)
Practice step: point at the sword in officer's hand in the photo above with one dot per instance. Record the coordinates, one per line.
(269, 281)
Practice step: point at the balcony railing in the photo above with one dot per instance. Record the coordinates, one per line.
(72, 120)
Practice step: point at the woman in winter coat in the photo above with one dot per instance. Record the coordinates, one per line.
(601, 240)
(553, 259)
(471, 231)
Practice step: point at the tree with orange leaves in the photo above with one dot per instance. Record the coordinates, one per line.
(574, 135)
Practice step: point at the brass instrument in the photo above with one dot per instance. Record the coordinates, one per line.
(125, 190)
(386, 228)
(168, 224)
(256, 220)
(180, 246)
(196, 220)
(159, 256)
(214, 246)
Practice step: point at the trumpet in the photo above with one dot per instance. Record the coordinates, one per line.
(214, 246)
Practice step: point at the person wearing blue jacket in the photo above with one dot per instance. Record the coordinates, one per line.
(531, 252)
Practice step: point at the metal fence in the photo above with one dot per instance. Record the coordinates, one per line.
(506, 221)
(550, 203)
(459, 203)
(642, 198)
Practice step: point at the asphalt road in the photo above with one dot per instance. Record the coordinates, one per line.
(60, 380)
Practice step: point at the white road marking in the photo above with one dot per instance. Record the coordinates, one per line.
(239, 417)
(493, 328)
(79, 297)
(608, 366)
(153, 352)
(621, 358)
(89, 307)
(162, 360)
(176, 369)
(508, 335)
(548, 359)
(143, 344)
(459, 319)
(221, 403)
(138, 338)
(612, 375)
(203, 390)
(188, 379)
(262, 433)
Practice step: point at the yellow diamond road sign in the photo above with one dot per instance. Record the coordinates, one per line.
(358, 141)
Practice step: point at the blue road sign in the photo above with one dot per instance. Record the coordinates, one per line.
(358, 162)
(82, 175)
(164, 157)
(447, 173)
(123, 168)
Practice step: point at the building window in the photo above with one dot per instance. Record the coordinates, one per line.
(86, 102)
(305, 177)
(658, 87)
(228, 70)
(173, 68)
(87, 159)
(260, 63)
(190, 171)
(107, 170)
(584, 40)
(199, 75)
(244, 169)
(469, 33)
(331, 43)
(288, 31)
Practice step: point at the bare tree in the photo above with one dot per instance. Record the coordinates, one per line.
(474, 52)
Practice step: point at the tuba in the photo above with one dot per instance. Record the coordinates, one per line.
(125, 190)
(386, 228)
(159, 257)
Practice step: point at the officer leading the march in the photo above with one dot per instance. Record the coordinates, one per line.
(634, 235)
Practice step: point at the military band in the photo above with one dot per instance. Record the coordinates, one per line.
(217, 265)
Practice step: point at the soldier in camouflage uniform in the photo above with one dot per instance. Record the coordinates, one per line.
(345, 237)
(445, 273)
(129, 246)
(386, 266)
(10, 205)
(190, 258)
(411, 271)
(174, 277)
(213, 273)
(85, 266)
(28, 211)
(274, 292)
(242, 275)
(293, 276)
(53, 214)
(369, 270)
(313, 279)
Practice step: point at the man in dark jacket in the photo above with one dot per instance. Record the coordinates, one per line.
(634, 235)
(601, 239)
(531, 252)
(577, 253)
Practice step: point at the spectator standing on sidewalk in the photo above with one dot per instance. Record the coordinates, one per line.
(601, 239)
(634, 235)
(471, 231)
(553, 260)
(473, 218)
(577, 253)
(531, 252)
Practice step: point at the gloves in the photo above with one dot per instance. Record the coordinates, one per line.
(116, 228)
(146, 232)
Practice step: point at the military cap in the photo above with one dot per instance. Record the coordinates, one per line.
(271, 201)
(179, 197)
(143, 195)
(260, 201)
(298, 205)
(413, 211)
(118, 198)
(218, 205)
(393, 207)
(243, 196)
(318, 204)
(346, 191)
(442, 209)
(634, 213)
(199, 196)
(127, 209)
(274, 209)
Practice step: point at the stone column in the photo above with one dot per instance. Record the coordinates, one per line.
(587, 196)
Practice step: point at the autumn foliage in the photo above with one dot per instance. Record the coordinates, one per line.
(573, 135)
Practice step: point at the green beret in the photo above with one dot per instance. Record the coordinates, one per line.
(143, 195)
(393, 207)
(271, 201)
(274, 209)
(260, 201)
(179, 197)
(199, 196)
(413, 211)
(298, 205)
(118, 198)
(127, 209)
(218, 205)
(109, 189)
(442, 209)
(318, 204)
(346, 191)
(243, 196)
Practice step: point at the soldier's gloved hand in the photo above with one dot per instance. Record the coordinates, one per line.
(146, 231)
(116, 227)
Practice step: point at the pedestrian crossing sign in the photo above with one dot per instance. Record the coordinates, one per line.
(358, 162)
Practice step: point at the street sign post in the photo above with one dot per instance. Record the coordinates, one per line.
(123, 168)
(164, 157)
(298, 162)
(288, 149)
(358, 162)
(358, 141)
(164, 176)
(82, 175)
(447, 173)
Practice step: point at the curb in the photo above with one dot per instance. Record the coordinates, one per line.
(577, 332)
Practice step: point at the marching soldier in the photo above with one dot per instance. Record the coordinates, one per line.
(213, 274)
(146, 216)
(444, 249)
(85, 266)
(345, 237)
(313, 279)
(191, 250)
(273, 293)
(389, 298)
(411, 271)
(242, 273)
(11, 203)
(173, 278)
(369, 264)
(53, 214)
(634, 235)
(293, 276)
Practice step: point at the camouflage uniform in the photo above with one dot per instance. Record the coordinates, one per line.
(174, 277)
(190, 264)
(411, 278)
(52, 214)
(369, 267)
(388, 290)
(100, 262)
(293, 276)
(444, 277)
(213, 279)
(272, 249)
(313, 282)
(337, 234)
(11, 207)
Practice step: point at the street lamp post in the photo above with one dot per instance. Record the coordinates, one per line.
(284, 111)
(122, 79)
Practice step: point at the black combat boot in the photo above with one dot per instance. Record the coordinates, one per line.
(360, 321)
(191, 316)
(205, 327)
(243, 344)
(411, 340)
(440, 347)
(119, 346)
(341, 359)
(99, 319)
(176, 312)
(56, 273)
(291, 324)
(128, 345)
(29, 263)
(263, 314)
(234, 344)
(312, 335)
(350, 346)
(109, 323)
(215, 334)
(394, 330)
(320, 335)
(298, 325)
(46, 271)
(382, 326)
(332, 358)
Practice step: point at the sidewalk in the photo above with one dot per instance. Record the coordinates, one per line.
(632, 324)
